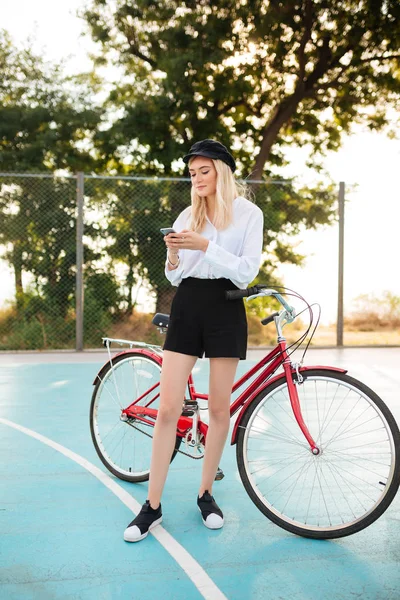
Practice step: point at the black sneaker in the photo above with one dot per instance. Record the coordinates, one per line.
(142, 523)
(211, 513)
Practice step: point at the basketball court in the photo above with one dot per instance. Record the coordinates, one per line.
(62, 514)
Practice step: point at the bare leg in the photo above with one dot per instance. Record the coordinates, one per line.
(222, 374)
(175, 372)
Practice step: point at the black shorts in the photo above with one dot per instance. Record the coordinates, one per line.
(204, 322)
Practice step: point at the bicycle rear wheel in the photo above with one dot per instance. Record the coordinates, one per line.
(124, 446)
(343, 489)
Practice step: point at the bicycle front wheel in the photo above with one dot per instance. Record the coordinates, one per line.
(343, 489)
(124, 446)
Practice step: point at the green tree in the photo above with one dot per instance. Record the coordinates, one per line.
(45, 124)
(258, 75)
(133, 213)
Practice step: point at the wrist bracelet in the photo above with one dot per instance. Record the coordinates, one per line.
(172, 264)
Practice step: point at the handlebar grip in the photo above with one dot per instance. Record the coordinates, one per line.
(270, 318)
(235, 294)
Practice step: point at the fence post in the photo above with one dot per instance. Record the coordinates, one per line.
(80, 182)
(339, 322)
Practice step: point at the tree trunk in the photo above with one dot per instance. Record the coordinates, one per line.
(287, 108)
(281, 115)
(164, 299)
(17, 266)
(129, 283)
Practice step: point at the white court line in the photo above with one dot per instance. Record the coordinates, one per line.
(193, 570)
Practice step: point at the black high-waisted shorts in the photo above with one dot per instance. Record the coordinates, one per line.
(203, 322)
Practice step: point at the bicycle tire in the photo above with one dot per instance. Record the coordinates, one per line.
(121, 463)
(333, 450)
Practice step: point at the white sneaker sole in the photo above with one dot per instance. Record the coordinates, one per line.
(210, 526)
(127, 538)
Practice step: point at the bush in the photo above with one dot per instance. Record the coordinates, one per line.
(96, 320)
(374, 312)
(37, 327)
(38, 332)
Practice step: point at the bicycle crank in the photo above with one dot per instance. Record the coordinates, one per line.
(195, 447)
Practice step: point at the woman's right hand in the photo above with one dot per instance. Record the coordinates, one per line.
(169, 242)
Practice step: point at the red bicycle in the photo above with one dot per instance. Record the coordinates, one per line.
(317, 450)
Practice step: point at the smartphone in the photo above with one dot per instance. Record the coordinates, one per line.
(167, 230)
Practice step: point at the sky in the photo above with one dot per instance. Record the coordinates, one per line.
(368, 160)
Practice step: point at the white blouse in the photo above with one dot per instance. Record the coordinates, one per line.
(233, 253)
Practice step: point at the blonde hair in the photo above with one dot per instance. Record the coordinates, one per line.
(227, 189)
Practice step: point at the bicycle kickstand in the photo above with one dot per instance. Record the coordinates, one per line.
(219, 475)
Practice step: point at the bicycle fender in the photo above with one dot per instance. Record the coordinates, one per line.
(268, 383)
(144, 351)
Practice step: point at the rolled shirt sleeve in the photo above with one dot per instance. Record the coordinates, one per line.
(244, 268)
(175, 275)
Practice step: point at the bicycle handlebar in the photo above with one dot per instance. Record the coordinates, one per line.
(270, 318)
(235, 294)
(262, 290)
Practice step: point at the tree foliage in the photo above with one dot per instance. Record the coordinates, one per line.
(46, 124)
(257, 75)
(46, 121)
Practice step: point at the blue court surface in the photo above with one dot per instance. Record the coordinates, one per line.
(62, 515)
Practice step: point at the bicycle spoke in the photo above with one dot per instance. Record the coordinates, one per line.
(289, 433)
(286, 478)
(352, 488)
(304, 480)
(320, 464)
(336, 411)
(336, 434)
(360, 424)
(311, 496)
(354, 476)
(281, 406)
(364, 433)
(301, 473)
(347, 459)
(115, 400)
(261, 436)
(118, 423)
(369, 460)
(316, 395)
(271, 464)
(326, 417)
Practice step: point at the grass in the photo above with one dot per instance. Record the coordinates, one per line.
(365, 329)
(326, 336)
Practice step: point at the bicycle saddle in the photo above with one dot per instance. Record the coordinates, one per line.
(160, 320)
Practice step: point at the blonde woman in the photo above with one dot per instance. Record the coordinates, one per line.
(217, 247)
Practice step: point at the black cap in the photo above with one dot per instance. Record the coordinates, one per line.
(211, 149)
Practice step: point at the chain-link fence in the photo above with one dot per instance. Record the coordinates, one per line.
(85, 255)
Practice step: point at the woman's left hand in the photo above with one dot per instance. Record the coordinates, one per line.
(187, 240)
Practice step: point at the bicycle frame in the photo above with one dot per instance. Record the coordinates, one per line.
(268, 366)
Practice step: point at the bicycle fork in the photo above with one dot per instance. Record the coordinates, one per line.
(295, 403)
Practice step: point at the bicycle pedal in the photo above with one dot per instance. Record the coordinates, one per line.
(189, 408)
(219, 475)
(188, 412)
